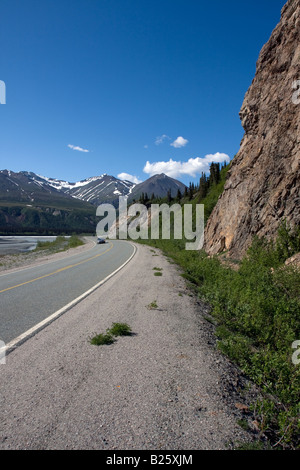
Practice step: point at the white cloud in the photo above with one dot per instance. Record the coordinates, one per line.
(179, 142)
(146, 146)
(79, 149)
(159, 140)
(127, 177)
(193, 167)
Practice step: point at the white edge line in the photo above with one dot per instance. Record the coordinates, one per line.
(35, 329)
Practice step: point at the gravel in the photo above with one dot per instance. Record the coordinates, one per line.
(164, 387)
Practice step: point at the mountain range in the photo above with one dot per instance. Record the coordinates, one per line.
(33, 202)
(33, 189)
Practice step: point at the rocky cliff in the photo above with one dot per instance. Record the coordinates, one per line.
(263, 183)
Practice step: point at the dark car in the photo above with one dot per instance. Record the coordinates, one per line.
(100, 241)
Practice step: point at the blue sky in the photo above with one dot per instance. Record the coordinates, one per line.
(125, 86)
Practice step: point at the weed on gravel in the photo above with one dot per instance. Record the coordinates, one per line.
(101, 339)
(256, 311)
(120, 329)
(117, 329)
(152, 306)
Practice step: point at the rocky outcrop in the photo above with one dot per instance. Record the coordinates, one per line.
(263, 183)
(294, 261)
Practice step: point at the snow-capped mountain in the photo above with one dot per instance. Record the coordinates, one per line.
(35, 189)
(31, 203)
(37, 204)
(28, 204)
(95, 190)
(28, 186)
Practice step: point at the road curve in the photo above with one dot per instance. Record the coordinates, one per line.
(30, 296)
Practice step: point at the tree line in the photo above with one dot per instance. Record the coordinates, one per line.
(201, 188)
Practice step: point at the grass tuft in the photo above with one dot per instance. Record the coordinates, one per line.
(120, 329)
(256, 310)
(117, 329)
(153, 305)
(102, 339)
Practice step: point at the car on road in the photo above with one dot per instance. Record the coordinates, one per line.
(100, 241)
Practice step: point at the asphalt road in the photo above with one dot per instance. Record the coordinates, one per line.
(29, 296)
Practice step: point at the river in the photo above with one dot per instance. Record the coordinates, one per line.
(20, 244)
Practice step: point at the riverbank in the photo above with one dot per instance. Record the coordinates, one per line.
(12, 245)
(10, 262)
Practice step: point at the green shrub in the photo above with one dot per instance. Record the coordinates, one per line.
(120, 329)
(153, 305)
(288, 241)
(59, 244)
(117, 329)
(257, 311)
(75, 241)
(102, 339)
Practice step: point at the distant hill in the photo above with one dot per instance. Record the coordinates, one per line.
(28, 188)
(28, 205)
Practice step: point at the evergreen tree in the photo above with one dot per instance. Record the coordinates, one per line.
(214, 174)
(169, 196)
(191, 191)
(203, 186)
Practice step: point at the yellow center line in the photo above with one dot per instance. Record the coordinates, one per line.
(57, 271)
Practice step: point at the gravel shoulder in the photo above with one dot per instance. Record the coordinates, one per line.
(166, 387)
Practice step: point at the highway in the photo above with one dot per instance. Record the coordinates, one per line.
(30, 295)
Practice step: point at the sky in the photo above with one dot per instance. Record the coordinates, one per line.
(130, 88)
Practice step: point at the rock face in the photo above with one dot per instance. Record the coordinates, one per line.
(263, 183)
